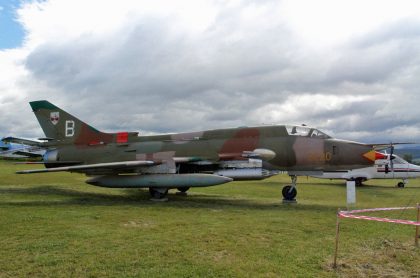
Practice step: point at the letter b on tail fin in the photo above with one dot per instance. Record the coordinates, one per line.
(62, 126)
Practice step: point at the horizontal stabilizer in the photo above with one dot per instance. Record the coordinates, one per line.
(383, 146)
(46, 139)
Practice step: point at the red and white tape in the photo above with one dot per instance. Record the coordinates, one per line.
(352, 214)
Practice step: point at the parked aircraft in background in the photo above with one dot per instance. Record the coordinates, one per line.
(19, 150)
(194, 159)
(382, 169)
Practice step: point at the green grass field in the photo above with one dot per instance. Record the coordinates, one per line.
(55, 225)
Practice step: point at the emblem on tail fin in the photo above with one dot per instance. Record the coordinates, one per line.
(54, 117)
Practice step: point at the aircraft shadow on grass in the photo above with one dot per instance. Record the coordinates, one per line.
(141, 198)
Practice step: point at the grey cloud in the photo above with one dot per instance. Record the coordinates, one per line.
(402, 30)
(149, 77)
(150, 71)
(379, 55)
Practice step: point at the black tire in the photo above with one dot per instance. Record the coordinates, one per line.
(156, 194)
(401, 184)
(183, 189)
(359, 181)
(289, 192)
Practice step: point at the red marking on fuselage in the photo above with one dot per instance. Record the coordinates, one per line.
(88, 135)
(122, 137)
(244, 140)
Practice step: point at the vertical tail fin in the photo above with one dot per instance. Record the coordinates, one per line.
(61, 126)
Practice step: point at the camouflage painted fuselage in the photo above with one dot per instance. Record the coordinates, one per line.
(238, 153)
(299, 153)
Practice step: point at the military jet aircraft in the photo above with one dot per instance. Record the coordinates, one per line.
(18, 149)
(193, 159)
(384, 168)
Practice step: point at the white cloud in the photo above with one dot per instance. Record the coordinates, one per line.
(12, 70)
(63, 21)
(327, 22)
(319, 109)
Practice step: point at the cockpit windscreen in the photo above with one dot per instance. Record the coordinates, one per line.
(306, 132)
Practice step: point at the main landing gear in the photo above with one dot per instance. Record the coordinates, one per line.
(159, 193)
(289, 192)
(182, 191)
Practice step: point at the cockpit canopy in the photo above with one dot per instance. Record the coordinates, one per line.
(305, 131)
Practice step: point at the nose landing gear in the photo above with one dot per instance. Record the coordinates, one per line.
(289, 192)
(402, 184)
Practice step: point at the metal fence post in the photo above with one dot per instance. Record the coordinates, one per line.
(337, 231)
(417, 227)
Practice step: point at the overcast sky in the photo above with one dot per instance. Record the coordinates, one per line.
(350, 68)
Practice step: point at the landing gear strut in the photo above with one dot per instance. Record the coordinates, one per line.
(183, 189)
(158, 194)
(289, 191)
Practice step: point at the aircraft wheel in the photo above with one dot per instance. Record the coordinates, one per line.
(401, 184)
(289, 192)
(183, 189)
(358, 181)
(158, 193)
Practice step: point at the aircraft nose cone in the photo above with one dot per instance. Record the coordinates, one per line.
(370, 155)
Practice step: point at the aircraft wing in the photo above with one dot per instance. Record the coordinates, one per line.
(112, 166)
(383, 146)
(23, 141)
